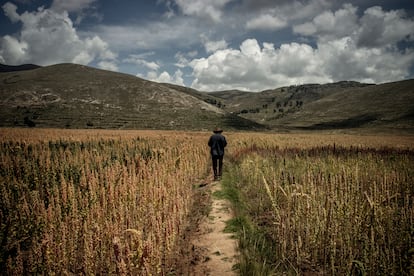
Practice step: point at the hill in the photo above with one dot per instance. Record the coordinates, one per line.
(12, 68)
(76, 96)
(341, 105)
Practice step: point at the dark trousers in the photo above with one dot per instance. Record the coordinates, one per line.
(217, 165)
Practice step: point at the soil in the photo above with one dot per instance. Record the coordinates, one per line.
(205, 248)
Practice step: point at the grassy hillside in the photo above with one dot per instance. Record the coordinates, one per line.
(12, 68)
(75, 96)
(341, 105)
(386, 106)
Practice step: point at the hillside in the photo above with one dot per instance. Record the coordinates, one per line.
(341, 105)
(12, 68)
(75, 96)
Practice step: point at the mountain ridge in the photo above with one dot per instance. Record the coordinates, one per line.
(12, 68)
(78, 96)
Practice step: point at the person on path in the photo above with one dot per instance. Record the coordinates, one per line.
(217, 143)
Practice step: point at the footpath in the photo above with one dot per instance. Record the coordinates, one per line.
(219, 248)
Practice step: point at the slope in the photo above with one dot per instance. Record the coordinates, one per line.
(341, 105)
(76, 96)
(384, 106)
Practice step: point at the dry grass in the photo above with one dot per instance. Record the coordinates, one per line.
(115, 202)
(328, 204)
(95, 202)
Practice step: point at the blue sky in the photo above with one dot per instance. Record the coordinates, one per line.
(213, 45)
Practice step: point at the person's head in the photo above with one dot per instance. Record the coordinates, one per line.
(217, 130)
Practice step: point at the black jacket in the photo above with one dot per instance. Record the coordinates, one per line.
(217, 143)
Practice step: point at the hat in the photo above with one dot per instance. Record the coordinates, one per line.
(217, 130)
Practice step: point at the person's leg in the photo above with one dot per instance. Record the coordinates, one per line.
(220, 166)
(214, 158)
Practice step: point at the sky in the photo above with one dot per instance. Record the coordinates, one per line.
(213, 45)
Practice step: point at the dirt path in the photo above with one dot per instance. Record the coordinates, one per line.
(219, 248)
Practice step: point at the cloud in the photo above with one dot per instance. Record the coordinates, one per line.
(266, 22)
(284, 10)
(255, 68)
(212, 46)
(331, 25)
(71, 6)
(165, 77)
(345, 60)
(108, 65)
(267, 15)
(347, 47)
(151, 35)
(138, 60)
(48, 37)
(211, 10)
(376, 28)
(380, 28)
(10, 10)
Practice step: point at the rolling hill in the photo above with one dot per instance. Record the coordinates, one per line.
(341, 105)
(12, 68)
(76, 96)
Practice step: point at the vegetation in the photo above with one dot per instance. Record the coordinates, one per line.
(117, 202)
(323, 208)
(77, 96)
(95, 202)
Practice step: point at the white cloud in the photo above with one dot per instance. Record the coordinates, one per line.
(376, 28)
(212, 46)
(151, 35)
(299, 10)
(10, 10)
(380, 28)
(108, 65)
(48, 37)
(330, 25)
(266, 22)
(211, 9)
(256, 68)
(138, 60)
(165, 77)
(182, 60)
(71, 5)
(344, 60)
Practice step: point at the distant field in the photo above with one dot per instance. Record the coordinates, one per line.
(116, 202)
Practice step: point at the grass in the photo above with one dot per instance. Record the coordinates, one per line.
(322, 204)
(251, 245)
(113, 202)
(95, 202)
(323, 210)
(77, 97)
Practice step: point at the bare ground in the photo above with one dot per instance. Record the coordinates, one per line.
(205, 249)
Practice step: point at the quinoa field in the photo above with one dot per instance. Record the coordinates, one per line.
(100, 202)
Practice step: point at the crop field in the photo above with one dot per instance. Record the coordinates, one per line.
(323, 205)
(94, 202)
(101, 202)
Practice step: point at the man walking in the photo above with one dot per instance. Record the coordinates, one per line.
(217, 143)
